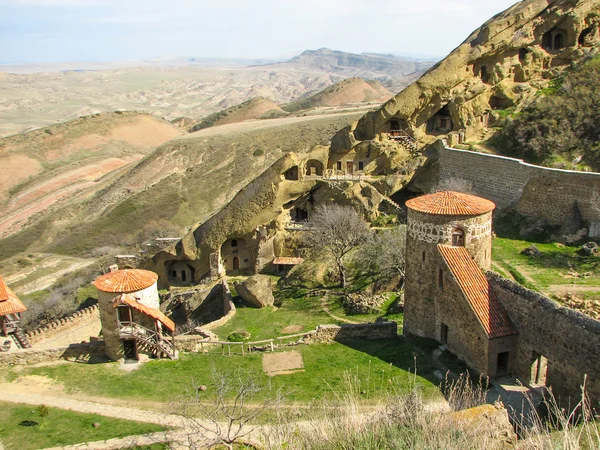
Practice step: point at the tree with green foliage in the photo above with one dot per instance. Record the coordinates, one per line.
(384, 254)
(335, 231)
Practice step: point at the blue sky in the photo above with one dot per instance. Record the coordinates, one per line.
(115, 30)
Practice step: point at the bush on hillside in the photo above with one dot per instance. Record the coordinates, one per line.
(561, 128)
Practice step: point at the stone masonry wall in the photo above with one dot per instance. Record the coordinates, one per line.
(377, 330)
(567, 338)
(535, 191)
(73, 352)
(86, 319)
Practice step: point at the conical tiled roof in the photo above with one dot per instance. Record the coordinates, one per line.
(126, 280)
(450, 203)
(9, 302)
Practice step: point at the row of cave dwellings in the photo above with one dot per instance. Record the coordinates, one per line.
(441, 122)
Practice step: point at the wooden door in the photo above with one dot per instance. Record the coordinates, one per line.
(236, 263)
(349, 167)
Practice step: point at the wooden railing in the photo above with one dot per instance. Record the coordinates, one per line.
(130, 329)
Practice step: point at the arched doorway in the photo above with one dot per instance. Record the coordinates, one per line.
(236, 263)
(314, 168)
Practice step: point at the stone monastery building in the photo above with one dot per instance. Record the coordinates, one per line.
(11, 308)
(498, 327)
(132, 325)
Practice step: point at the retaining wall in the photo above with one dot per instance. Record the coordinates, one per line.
(73, 352)
(535, 191)
(377, 330)
(73, 322)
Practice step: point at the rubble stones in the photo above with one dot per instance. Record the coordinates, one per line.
(532, 251)
(360, 303)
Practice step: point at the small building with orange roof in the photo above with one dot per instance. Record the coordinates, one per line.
(447, 295)
(11, 308)
(133, 326)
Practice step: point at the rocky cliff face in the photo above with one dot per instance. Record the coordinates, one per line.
(501, 65)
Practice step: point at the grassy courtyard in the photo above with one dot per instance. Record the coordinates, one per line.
(22, 427)
(378, 366)
(298, 309)
(550, 269)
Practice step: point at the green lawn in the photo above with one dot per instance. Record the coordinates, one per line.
(21, 427)
(372, 362)
(550, 268)
(267, 323)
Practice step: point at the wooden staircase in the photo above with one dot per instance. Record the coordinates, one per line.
(405, 140)
(153, 339)
(20, 338)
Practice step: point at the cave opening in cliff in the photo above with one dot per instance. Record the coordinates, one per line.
(586, 35)
(554, 39)
(440, 122)
(291, 174)
(523, 54)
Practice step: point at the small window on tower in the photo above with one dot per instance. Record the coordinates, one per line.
(423, 256)
(361, 165)
(441, 279)
(458, 238)
(234, 243)
(338, 166)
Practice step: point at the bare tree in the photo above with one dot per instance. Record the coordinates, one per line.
(221, 414)
(336, 230)
(384, 253)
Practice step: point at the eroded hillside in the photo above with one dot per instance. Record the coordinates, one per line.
(502, 66)
(71, 160)
(183, 182)
(348, 91)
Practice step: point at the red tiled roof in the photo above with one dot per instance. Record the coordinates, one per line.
(9, 302)
(126, 299)
(126, 280)
(476, 288)
(450, 203)
(287, 260)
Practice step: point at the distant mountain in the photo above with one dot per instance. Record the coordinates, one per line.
(348, 91)
(394, 72)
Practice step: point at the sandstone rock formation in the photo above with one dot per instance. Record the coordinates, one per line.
(501, 65)
(256, 290)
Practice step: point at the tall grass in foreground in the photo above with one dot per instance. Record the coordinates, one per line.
(570, 428)
(408, 422)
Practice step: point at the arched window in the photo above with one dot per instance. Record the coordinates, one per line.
(458, 238)
(234, 243)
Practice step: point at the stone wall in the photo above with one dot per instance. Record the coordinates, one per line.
(73, 352)
(377, 330)
(567, 338)
(228, 308)
(535, 191)
(78, 324)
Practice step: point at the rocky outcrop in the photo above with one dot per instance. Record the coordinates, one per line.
(501, 65)
(256, 290)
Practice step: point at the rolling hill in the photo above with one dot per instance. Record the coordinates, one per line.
(345, 92)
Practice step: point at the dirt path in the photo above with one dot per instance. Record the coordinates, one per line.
(568, 288)
(330, 314)
(126, 442)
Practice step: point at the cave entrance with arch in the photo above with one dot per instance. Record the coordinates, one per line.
(441, 122)
(314, 168)
(180, 273)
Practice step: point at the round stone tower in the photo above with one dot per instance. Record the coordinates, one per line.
(444, 218)
(134, 286)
